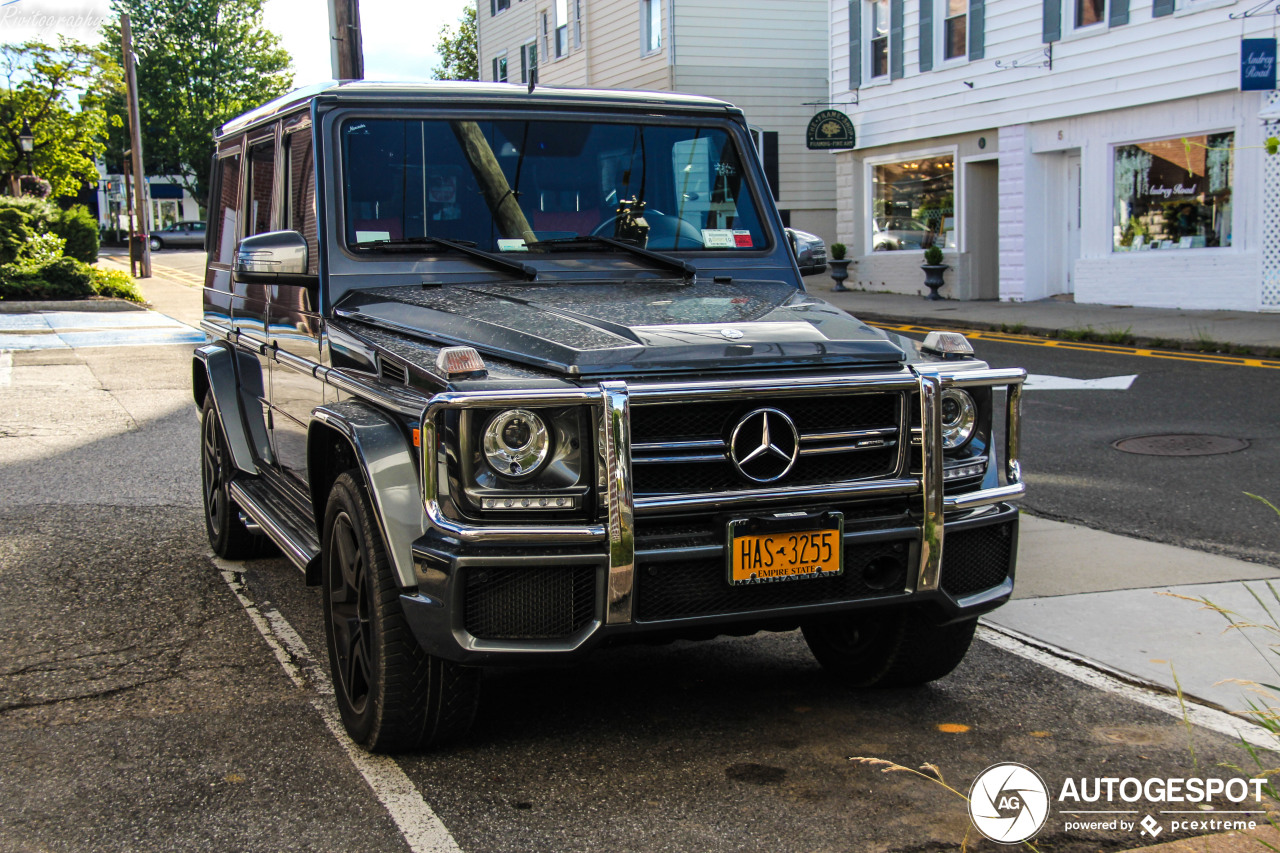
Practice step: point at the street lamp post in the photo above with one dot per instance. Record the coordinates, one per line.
(27, 141)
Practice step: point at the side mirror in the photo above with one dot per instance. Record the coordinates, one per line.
(273, 257)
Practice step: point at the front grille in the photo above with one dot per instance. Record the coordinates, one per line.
(976, 559)
(684, 588)
(682, 448)
(529, 603)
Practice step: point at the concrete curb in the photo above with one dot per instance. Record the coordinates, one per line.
(1131, 340)
(95, 303)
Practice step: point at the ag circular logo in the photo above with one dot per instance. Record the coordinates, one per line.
(1009, 803)
(764, 445)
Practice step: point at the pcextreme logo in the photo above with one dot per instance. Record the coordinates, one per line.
(1009, 803)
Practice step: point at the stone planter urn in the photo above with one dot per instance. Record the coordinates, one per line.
(933, 278)
(839, 272)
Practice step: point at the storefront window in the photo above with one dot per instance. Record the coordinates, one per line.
(913, 205)
(1174, 193)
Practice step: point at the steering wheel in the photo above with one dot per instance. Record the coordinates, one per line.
(665, 232)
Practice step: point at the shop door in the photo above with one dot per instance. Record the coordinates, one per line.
(1072, 248)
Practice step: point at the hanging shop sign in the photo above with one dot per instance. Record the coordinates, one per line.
(831, 129)
(1257, 65)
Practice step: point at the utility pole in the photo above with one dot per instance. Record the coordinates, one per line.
(135, 138)
(346, 50)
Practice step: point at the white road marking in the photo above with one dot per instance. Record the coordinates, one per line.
(421, 828)
(6, 368)
(1044, 382)
(1103, 677)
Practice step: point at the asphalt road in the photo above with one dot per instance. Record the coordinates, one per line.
(1075, 474)
(142, 710)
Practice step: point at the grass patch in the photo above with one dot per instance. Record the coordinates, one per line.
(1085, 334)
(1013, 328)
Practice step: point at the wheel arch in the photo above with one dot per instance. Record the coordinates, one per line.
(213, 373)
(353, 434)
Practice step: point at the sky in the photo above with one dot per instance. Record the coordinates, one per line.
(399, 37)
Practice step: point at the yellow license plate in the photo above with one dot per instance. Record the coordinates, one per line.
(784, 556)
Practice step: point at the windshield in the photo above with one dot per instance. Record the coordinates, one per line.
(506, 186)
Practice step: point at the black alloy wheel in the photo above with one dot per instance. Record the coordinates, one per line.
(228, 536)
(392, 695)
(350, 621)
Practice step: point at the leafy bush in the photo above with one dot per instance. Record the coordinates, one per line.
(41, 249)
(15, 232)
(64, 278)
(115, 283)
(838, 251)
(77, 226)
(933, 256)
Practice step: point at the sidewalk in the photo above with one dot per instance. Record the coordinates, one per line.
(1236, 332)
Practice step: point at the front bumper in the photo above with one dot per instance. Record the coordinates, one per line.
(485, 605)
(580, 585)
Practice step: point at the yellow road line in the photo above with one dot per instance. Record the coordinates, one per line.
(180, 276)
(1083, 346)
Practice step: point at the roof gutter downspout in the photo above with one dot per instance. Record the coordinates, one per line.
(671, 46)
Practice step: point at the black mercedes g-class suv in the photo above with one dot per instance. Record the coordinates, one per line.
(512, 374)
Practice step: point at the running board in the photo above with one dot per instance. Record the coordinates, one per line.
(294, 534)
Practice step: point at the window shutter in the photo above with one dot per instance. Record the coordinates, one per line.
(897, 44)
(926, 35)
(494, 78)
(1160, 8)
(493, 8)
(771, 161)
(978, 29)
(855, 44)
(1119, 15)
(1053, 20)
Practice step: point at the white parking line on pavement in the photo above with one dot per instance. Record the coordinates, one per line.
(1103, 677)
(6, 368)
(421, 828)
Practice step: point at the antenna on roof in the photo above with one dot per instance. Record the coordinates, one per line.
(533, 79)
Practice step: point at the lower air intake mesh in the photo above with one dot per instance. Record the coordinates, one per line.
(529, 603)
(976, 559)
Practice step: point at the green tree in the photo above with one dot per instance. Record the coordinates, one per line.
(457, 49)
(42, 83)
(200, 64)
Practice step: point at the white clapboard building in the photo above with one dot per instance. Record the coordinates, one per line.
(766, 57)
(1100, 148)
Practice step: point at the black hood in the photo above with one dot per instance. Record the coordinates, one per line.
(633, 327)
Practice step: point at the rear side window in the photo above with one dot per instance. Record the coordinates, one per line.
(300, 192)
(262, 173)
(226, 212)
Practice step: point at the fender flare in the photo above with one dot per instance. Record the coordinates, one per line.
(385, 455)
(213, 371)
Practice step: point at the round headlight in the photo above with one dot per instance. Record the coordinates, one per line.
(959, 417)
(516, 443)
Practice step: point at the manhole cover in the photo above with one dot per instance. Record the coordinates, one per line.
(1180, 445)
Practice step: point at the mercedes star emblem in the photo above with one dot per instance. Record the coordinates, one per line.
(764, 445)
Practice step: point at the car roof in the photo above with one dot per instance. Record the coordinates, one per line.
(456, 93)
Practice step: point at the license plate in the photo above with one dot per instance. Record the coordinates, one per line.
(763, 551)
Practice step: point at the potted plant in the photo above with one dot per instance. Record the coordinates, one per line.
(933, 268)
(839, 266)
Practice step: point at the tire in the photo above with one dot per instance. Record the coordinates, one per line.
(896, 649)
(156, 244)
(228, 536)
(392, 695)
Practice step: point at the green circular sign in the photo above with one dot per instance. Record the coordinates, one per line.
(830, 129)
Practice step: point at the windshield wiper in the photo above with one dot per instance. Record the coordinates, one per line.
(657, 258)
(465, 248)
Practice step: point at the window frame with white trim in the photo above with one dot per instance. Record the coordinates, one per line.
(949, 244)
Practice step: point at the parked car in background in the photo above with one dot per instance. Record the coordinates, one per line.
(810, 251)
(899, 232)
(179, 235)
